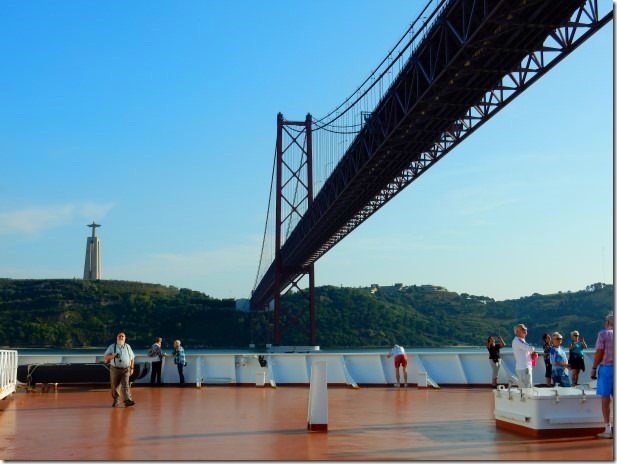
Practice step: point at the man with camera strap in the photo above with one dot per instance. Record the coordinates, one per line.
(121, 360)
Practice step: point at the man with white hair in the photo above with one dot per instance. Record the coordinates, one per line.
(603, 370)
(121, 360)
(522, 355)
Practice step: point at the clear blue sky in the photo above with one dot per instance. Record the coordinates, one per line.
(157, 119)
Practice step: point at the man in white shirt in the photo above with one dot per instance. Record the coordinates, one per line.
(522, 355)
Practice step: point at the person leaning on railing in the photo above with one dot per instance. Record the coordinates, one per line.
(400, 362)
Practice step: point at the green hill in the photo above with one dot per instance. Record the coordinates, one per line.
(76, 313)
(429, 316)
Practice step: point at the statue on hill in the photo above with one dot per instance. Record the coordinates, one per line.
(92, 266)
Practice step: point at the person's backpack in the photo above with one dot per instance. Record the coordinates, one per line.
(151, 353)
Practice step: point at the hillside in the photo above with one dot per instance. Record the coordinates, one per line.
(76, 313)
(433, 316)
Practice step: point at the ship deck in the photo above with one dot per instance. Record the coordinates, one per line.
(249, 423)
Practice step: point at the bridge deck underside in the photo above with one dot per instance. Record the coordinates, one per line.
(465, 54)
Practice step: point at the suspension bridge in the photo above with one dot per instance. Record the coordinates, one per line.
(459, 63)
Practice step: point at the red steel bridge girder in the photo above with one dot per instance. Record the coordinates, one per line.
(476, 58)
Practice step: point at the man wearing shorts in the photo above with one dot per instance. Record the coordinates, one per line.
(603, 370)
(400, 359)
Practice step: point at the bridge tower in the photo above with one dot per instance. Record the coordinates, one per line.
(297, 200)
(92, 266)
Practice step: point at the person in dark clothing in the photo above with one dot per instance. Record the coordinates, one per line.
(493, 355)
(156, 351)
(548, 371)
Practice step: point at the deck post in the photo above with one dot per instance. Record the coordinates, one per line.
(318, 398)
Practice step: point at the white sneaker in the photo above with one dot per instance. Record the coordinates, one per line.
(605, 434)
(397, 385)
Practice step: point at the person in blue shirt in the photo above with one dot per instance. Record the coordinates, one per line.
(121, 360)
(559, 361)
(179, 359)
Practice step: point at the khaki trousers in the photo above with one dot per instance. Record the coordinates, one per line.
(120, 380)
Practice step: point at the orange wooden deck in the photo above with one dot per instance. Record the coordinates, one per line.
(248, 423)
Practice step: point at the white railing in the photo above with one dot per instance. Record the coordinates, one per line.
(437, 367)
(8, 372)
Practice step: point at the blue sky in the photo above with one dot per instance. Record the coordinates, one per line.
(157, 119)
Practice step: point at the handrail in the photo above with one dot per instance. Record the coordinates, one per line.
(443, 367)
(8, 372)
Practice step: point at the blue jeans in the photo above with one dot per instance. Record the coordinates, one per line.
(562, 379)
(181, 372)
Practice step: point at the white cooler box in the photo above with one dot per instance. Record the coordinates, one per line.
(549, 412)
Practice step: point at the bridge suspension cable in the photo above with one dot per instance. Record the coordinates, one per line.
(337, 130)
(385, 66)
(265, 240)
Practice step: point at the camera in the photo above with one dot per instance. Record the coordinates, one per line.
(116, 356)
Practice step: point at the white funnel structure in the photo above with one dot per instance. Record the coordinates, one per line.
(92, 267)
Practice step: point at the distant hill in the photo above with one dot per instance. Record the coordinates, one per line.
(430, 316)
(76, 313)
